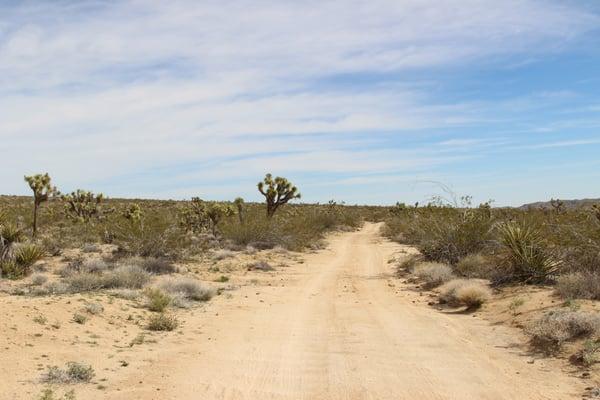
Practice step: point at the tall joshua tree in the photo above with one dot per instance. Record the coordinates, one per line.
(42, 188)
(277, 191)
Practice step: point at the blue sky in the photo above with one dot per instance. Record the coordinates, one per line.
(360, 101)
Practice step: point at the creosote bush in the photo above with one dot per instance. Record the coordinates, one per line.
(433, 274)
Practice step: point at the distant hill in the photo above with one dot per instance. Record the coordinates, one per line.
(581, 203)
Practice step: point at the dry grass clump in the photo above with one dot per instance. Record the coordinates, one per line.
(38, 279)
(433, 274)
(79, 265)
(94, 308)
(158, 266)
(74, 373)
(465, 292)
(187, 288)
(223, 254)
(125, 294)
(579, 285)
(408, 264)
(473, 295)
(474, 266)
(162, 322)
(556, 327)
(260, 266)
(127, 276)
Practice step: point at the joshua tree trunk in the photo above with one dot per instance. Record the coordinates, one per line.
(35, 212)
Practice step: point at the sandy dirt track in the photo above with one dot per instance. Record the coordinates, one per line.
(337, 328)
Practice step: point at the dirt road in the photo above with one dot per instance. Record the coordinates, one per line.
(338, 328)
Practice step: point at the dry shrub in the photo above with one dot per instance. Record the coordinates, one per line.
(74, 373)
(38, 279)
(157, 266)
(223, 254)
(579, 285)
(408, 264)
(433, 274)
(187, 288)
(260, 266)
(464, 292)
(126, 276)
(556, 327)
(473, 295)
(474, 266)
(94, 308)
(162, 322)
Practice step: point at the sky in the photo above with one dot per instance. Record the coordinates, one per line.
(367, 102)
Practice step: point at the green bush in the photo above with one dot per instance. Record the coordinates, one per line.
(158, 301)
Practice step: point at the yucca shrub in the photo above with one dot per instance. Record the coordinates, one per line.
(527, 257)
(18, 264)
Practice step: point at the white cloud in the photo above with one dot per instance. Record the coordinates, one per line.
(92, 91)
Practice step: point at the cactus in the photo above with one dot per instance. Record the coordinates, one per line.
(133, 213)
(82, 206)
(277, 192)
(42, 189)
(239, 205)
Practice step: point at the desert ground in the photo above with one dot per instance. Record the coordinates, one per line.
(334, 323)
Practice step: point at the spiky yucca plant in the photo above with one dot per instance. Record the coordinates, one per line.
(9, 235)
(531, 261)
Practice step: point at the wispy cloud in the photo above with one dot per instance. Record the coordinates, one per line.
(132, 96)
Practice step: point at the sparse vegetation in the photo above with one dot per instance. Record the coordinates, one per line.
(579, 285)
(188, 288)
(79, 318)
(73, 373)
(162, 322)
(158, 301)
(433, 274)
(556, 327)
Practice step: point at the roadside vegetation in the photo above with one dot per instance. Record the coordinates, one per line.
(467, 253)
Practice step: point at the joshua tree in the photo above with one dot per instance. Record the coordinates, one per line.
(239, 204)
(82, 205)
(277, 192)
(215, 213)
(42, 189)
